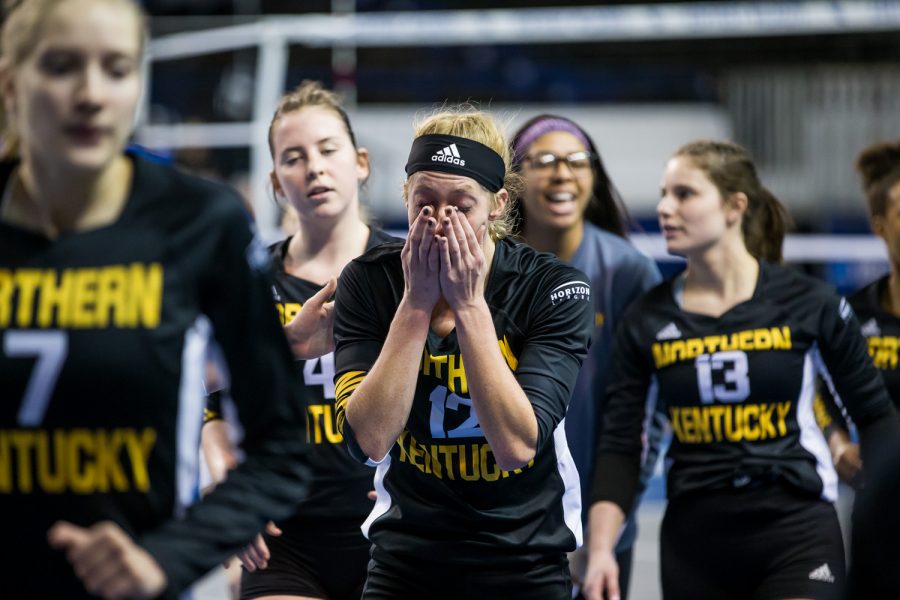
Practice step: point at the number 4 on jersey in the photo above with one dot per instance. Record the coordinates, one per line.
(324, 376)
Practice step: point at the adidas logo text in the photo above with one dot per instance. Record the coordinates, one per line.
(450, 154)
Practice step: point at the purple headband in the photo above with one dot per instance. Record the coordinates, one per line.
(542, 126)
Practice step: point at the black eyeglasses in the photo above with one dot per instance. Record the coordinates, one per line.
(547, 162)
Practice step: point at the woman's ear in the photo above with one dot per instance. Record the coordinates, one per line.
(362, 164)
(735, 207)
(500, 200)
(276, 185)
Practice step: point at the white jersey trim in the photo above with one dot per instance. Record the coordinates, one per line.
(384, 501)
(191, 398)
(811, 437)
(571, 500)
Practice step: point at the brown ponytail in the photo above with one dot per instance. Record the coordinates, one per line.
(731, 169)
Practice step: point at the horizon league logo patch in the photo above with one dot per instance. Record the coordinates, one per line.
(573, 290)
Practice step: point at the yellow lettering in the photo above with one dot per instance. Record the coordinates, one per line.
(676, 350)
(751, 432)
(109, 466)
(315, 411)
(783, 409)
(435, 462)
(693, 348)
(675, 419)
(6, 292)
(139, 451)
(762, 339)
(147, 291)
(732, 425)
(54, 298)
(429, 361)
(712, 343)
(449, 452)
(27, 281)
(48, 481)
(463, 469)
(112, 297)
(5, 464)
(781, 338)
(84, 298)
(457, 373)
(330, 433)
(494, 473)
(82, 479)
(766, 412)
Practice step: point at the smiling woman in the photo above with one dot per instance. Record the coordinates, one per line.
(571, 208)
(114, 274)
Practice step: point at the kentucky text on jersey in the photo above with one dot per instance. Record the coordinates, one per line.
(771, 338)
(77, 461)
(883, 350)
(122, 296)
(468, 462)
(729, 422)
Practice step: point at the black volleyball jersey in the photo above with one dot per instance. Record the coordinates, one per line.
(882, 332)
(340, 484)
(103, 344)
(441, 494)
(738, 389)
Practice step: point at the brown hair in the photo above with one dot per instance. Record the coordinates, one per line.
(879, 167)
(23, 27)
(309, 93)
(467, 121)
(731, 169)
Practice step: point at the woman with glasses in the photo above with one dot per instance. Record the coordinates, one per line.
(571, 208)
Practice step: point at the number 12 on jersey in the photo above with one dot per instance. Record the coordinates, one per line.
(441, 400)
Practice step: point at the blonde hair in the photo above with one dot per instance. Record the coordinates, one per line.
(23, 28)
(309, 93)
(467, 121)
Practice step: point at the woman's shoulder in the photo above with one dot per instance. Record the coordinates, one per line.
(614, 250)
(170, 188)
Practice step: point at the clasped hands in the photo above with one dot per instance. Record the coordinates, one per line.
(443, 257)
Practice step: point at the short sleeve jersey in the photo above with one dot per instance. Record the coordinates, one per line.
(340, 483)
(739, 389)
(103, 341)
(440, 490)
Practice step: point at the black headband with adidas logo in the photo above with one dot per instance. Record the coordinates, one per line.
(459, 156)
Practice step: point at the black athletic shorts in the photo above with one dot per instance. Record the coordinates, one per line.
(323, 562)
(394, 579)
(759, 543)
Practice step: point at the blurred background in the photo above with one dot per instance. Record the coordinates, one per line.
(803, 85)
